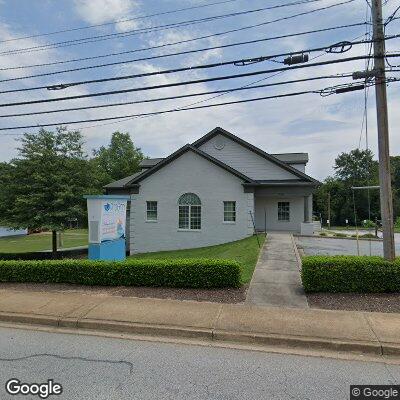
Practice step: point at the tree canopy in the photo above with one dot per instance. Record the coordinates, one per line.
(119, 159)
(355, 168)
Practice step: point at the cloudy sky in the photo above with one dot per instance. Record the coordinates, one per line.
(321, 126)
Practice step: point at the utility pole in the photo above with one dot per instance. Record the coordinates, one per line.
(329, 210)
(383, 131)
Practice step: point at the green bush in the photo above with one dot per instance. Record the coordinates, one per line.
(339, 235)
(368, 236)
(323, 234)
(188, 273)
(368, 224)
(397, 223)
(350, 274)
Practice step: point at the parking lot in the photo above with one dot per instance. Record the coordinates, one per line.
(335, 246)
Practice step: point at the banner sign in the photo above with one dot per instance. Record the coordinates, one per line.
(106, 217)
(113, 220)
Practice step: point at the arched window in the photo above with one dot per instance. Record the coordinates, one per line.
(189, 211)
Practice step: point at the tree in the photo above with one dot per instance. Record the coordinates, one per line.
(120, 159)
(356, 168)
(43, 188)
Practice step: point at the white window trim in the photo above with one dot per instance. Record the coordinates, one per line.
(277, 212)
(190, 217)
(145, 212)
(223, 212)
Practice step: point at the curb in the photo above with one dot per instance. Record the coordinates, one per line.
(340, 238)
(207, 334)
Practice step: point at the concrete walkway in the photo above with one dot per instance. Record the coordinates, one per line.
(276, 279)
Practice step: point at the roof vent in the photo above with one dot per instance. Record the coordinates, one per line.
(219, 143)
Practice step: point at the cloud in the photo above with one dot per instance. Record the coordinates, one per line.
(101, 11)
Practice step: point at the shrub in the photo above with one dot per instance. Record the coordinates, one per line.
(397, 223)
(189, 273)
(368, 224)
(350, 274)
(340, 235)
(368, 236)
(323, 234)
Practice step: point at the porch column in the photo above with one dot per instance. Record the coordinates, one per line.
(306, 209)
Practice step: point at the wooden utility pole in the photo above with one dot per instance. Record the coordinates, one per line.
(383, 131)
(329, 211)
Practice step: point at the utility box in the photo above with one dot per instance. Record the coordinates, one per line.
(107, 224)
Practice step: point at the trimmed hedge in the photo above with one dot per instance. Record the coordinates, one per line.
(44, 255)
(350, 274)
(185, 273)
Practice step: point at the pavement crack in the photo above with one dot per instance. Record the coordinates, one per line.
(372, 330)
(16, 359)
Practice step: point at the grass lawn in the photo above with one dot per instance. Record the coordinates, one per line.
(244, 251)
(42, 241)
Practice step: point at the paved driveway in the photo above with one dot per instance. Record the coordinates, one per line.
(330, 246)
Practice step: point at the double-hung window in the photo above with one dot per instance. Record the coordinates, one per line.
(229, 211)
(151, 211)
(189, 212)
(283, 211)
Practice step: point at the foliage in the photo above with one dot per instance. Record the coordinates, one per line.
(356, 168)
(120, 159)
(189, 273)
(397, 224)
(350, 274)
(43, 188)
(339, 235)
(368, 224)
(244, 251)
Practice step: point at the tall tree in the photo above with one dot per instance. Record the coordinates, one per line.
(120, 159)
(44, 186)
(356, 168)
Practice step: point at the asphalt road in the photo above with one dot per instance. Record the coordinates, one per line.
(90, 367)
(332, 246)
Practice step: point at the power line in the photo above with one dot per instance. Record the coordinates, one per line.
(225, 77)
(166, 111)
(40, 48)
(226, 91)
(237, 62)
(90, 39)
(208, 98)
(173, 54)
(117, 21)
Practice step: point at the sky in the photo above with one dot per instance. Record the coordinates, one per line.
(321, 126)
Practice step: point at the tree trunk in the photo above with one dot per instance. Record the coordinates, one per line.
(54, 247)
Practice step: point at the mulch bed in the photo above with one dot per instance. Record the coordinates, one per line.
(375, 302)
(228, 295)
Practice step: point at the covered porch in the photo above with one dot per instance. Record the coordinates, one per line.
(287, 207)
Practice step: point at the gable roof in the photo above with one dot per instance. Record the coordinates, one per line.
(122, 182)
(177, 154)
(150, 162)
(256, 150)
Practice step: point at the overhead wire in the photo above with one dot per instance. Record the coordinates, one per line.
(117, 21)
(177, 53)
(236, 62)
(292, 94)
(41, 48)
(176, 84)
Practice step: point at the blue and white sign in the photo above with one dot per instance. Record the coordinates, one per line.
(107, 224)
(113, 220)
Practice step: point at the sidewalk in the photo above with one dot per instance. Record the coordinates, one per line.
(276, 280)
(339, 331)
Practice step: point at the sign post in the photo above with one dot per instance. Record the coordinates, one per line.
(107, 221)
